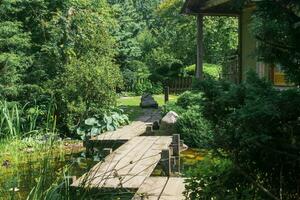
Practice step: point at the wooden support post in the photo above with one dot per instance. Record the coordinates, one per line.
(176, 144)
(149, 128)
(176, 153)
(107, 151)
(175, 165)
(167, 92)
(166, 161)
(200, 51)
(88, 145)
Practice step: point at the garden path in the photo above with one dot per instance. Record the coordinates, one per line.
(131, 165)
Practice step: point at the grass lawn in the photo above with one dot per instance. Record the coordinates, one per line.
(131, 105)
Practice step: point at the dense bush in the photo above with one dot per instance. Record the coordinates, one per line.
(209, 70)
(257, 128)
(171, 106)
(148, 87)
(65, 50)
(194, 129)
(189, 99)
(215, 178)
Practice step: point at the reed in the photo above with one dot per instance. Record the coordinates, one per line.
(23, 121)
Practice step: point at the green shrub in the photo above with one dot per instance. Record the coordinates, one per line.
(189, 99)
(194, 129)
(254, 125)
(217, 179)
(172, 106)
(210, 70)
(148, 87)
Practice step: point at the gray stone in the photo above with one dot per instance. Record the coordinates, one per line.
(168, 121)
(147, 101)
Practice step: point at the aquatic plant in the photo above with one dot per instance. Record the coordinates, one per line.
(23, 121)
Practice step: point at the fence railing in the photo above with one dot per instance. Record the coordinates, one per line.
(179, 85)
(231, 69)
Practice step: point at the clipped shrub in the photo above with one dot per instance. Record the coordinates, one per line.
(148, 87)
(172, 106)
(189, 99)
(194, 129)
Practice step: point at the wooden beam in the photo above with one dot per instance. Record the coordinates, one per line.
(200, 50)
(213, 3)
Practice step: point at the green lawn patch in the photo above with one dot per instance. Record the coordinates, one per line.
(131, 105)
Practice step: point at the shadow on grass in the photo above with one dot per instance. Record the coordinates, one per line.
(133, 112)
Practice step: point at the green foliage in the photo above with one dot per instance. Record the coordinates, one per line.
(253, 125)
(98, 124)
(215, 178)
(24, 121)
(188, 99)
(194, 129)
(172, 106)
(220, 38)
(148, 87)
(66, 50)
(275, 24)
(210, 70)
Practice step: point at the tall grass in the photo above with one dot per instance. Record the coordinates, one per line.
(23, 121)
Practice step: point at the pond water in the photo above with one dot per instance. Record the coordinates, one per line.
(22, 178)
(18, 181)
(188, 159)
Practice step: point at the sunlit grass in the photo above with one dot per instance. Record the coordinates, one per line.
(131, 105)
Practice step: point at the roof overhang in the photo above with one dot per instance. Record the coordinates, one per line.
(210, 7)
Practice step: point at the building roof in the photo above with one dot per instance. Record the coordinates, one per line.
(210, 7)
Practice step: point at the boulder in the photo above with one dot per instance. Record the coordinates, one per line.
(168, 121)
(147, 101)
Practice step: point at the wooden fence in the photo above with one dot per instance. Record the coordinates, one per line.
(179, 85)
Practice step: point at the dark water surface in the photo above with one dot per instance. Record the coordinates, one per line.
(24, 177)
(18, 181)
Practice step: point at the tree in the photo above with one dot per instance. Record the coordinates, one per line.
(65, 50)
(275, 25)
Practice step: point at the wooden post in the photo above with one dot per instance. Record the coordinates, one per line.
(167, 92)
(176, 144)
(166, 161)
(88, 145)
(200, 51)
(176, 153)
(149, 130)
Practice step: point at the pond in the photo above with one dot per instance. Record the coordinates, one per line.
(18, 181)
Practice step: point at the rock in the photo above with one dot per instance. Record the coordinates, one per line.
(168, 122)
(147, 101)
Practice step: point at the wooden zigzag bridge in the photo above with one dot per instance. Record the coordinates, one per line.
(130, 166)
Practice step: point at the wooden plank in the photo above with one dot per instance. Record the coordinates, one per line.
(161, 188)
(125, 133)
(128, 166)
(174, 189)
